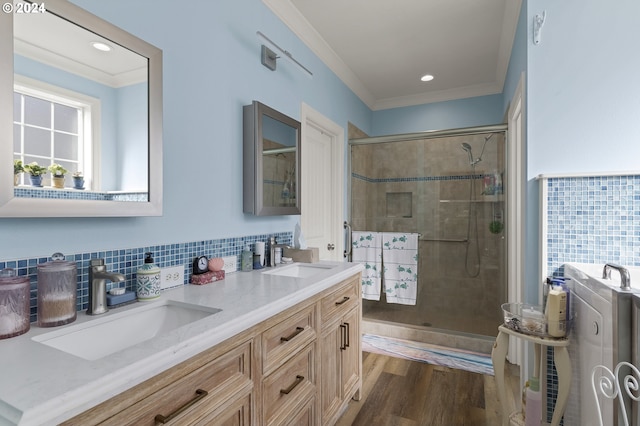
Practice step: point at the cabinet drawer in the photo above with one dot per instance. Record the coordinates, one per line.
(219, 378)
(290, 386)
(306, 416)
(286, 338)
(341, 301)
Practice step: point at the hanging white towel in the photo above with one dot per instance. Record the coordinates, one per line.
(367, 249)
(400, 267)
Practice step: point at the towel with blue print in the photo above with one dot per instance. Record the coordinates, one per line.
(367, 249)
(400, 267)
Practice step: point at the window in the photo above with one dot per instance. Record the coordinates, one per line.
(53, 125)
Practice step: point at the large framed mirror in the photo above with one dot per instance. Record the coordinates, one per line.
(84, 106)
(271, 162)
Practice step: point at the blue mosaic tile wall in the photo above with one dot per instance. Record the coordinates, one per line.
(419, 178)
(591, 220)
(127, 261)
(74, 194)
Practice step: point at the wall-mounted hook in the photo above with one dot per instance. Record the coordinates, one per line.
(538, 22)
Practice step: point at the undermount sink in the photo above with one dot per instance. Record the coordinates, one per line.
(298, 270)
(100, 337)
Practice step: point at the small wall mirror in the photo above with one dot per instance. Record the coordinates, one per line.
(86, 96)
(271, 162)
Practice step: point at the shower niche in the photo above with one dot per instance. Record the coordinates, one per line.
(399, 204)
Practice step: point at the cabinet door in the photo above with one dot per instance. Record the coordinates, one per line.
(306, 416)
(351, 358)
(331, 383)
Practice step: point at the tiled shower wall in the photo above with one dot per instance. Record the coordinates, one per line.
(423, 186)
(590, 219)
(127, 261)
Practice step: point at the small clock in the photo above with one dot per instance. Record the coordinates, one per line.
(200, 265)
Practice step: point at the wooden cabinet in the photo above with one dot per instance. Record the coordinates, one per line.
(340, 343)
(299, 367)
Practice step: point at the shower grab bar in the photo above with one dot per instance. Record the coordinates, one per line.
(446, 240)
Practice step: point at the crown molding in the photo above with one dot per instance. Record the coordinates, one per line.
(309, 36)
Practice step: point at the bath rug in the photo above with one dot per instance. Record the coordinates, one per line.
(431, 354)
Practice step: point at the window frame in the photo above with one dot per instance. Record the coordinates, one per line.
(90, 162)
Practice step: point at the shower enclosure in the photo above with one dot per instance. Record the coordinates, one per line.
(448, 187)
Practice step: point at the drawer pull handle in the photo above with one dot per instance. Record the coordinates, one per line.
(344, 300)
(200, 393)
(288, 390)
(294, 334)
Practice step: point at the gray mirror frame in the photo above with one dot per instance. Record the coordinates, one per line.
(253, 188)
(11, 206)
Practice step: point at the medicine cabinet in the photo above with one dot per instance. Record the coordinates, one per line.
(271, 162)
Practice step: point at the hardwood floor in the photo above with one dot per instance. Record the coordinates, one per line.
(398, 392)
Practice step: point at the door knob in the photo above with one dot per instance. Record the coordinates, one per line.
(331, 246)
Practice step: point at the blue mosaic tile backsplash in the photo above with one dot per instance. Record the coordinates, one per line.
(127, 261)
(593, 220)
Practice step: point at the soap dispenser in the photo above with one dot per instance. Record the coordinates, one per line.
(148, 281)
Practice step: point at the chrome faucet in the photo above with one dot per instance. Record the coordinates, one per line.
(625, 278)
(98, 277)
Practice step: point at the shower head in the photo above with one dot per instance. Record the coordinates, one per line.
(467, 148)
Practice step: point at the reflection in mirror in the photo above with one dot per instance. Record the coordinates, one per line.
(98, 113)
(279, 163)
(80, 101)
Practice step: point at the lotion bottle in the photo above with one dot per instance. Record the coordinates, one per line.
(533, 410)
(556, 312)
(247, 259)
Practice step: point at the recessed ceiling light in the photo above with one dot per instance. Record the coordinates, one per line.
(101, 46)
(426, 77)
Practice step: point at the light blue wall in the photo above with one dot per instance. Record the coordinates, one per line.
(584, 90)
(470, 112)
(133, 134)
(211, 69)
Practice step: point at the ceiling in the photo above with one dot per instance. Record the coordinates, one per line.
(54, 41)
(381, 48)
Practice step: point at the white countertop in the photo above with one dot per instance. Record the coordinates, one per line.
(40, 385)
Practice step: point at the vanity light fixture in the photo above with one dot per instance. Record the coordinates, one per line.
(268, 56)
(101, 46)
(426, 77)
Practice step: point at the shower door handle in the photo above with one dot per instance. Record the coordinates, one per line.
(347, 252)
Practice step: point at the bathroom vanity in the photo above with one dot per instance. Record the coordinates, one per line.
(281, 349)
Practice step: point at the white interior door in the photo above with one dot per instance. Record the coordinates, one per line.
(516, 189)
(322, 179)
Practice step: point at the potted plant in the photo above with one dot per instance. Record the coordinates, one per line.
(35, 173)
(78, 180)
(17, 169)
(57, 173)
